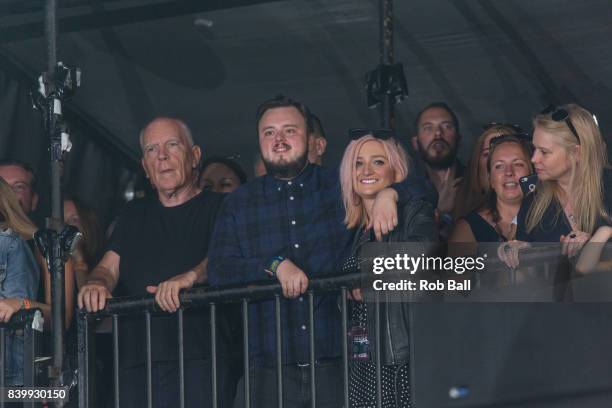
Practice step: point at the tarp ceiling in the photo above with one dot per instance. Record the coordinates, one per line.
(212, 62)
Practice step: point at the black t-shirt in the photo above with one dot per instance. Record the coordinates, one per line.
(156, 243)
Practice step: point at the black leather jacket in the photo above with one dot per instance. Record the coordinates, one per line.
(416, 225)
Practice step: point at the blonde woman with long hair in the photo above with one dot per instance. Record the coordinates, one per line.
(569, 202)
(14, 223)
(18, 275)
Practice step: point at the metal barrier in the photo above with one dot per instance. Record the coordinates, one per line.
(198, 298)
(29, 325)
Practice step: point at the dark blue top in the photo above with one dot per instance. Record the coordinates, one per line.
(300, 219)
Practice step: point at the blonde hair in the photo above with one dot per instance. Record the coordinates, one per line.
(11, 214)
(356, 214)
(586, 184)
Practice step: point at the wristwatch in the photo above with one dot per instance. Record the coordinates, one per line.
(273, 265)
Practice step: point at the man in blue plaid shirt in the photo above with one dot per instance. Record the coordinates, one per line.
(288, 225)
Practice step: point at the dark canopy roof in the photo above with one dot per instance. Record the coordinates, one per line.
(212, 62)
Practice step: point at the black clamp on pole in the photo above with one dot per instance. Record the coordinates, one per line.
(386, 81)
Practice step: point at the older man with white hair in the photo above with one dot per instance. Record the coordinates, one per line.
(159, 246)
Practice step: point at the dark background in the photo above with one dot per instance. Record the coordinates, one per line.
(212, 62)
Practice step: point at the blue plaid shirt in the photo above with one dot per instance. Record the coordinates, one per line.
(300, 219)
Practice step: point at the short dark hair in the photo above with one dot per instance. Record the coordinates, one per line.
(25, 166)
(441, 105)
(317, 126)
(281, 101)
(232, 164)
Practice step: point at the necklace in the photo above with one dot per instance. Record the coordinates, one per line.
(568, 211)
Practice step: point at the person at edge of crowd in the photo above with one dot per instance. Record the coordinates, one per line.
(371, 163)
(573, 195)
(288, 226)
(21, 179)
(495, 221)
(475, 185)
(221, 175)
(317, 144)
(317, 141)
(86, 255)
(89, 249)
(19, 276)
(159, 246)
(437, 142)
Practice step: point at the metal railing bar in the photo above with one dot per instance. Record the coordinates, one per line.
(262, 290)
(149, 364)
(213, 347)
(204, 296)
(116, 359)
(378, 359)
(313, 392)
(279, 351)
(245, 338)
(2, 362)
(29, 354)
(83, 354)
(345, 368)
(181, 356)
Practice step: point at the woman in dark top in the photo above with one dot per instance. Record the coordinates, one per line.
(373, 161)
(569, 202)
(495, 221)
(474, 188)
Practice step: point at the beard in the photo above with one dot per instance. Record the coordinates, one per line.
(285, 169)
(439, 162)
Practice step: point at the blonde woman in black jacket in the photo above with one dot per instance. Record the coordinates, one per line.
(372, 161)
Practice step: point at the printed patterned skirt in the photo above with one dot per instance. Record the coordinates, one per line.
(395, 385)
(395, 379)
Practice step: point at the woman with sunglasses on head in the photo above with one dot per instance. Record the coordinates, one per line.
(569, 202)
(495, 220)
(473, 190)
(373, 161)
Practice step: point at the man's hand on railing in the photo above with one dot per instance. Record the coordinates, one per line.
(8, 307)
(93, 295)
(292, 279)
(167, 292)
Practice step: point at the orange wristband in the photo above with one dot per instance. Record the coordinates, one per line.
(26, 303)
